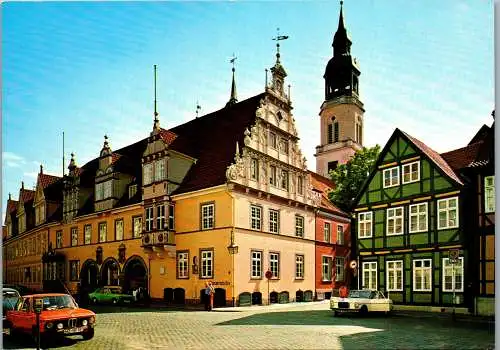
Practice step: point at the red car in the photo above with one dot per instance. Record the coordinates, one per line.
(60, 315)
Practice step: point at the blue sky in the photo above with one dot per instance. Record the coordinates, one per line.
(85, 68)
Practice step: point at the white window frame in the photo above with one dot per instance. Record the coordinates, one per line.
(407, 169)
(207, 264)
(87, 239)
(132, 190)
(207, 216)
(183, 265)
(74, 236)
(59, 239)
(299, 266)
(489, 194)
(326, 268)
(171, 217)
(397, 271)
(417, 216)
(274, 264)
(327, 232)
(160, 170)
(394, 180)
(447, 210)
(108, 189)
(340, 234)
(273, 175)
(425, 270)
(136, 226)
(119, 232)
(391, 215)
(254, 169)
(256, 264)
(299, 225)
(274, 221)
(148, 173)
(99, 194)
(160, 217)
(370, 267)
(339, 268)
(149, 218)
(447, 270)
(364, 222)
(102, 238)
(255, 217)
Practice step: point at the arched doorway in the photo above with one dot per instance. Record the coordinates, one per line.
(135, 274)
(88, 279)
(220, 297)
(110, 272)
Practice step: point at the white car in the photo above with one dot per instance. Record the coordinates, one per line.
(362, 301)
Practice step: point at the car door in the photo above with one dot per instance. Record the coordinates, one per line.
(25, 316)
(106, 295)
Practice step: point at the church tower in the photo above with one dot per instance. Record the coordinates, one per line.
(341, 114)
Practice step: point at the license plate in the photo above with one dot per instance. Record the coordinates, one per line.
(74, 330)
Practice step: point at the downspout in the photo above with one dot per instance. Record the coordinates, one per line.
(232, 233)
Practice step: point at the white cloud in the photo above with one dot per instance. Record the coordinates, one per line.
(12, 160)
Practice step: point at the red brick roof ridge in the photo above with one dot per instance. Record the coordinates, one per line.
(464, 156)
(435, 157)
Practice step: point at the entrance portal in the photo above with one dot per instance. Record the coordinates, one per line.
(135, 274)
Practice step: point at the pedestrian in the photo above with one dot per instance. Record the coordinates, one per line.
(134, 293)
(212, 294)
(207, 297)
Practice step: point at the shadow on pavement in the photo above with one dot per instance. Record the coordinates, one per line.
(21, 341)
(109, 309)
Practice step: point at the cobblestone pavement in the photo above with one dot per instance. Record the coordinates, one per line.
(286, 326)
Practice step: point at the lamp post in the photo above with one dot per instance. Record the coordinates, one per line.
(232, 248)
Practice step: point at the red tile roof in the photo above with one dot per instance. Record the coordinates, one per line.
(435, 157)
(462, 157)
(46, 179)
(26, 195)
(11, 205)
(324, 185)
(167, 136)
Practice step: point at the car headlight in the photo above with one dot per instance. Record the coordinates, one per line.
(59, 326)
(84, 322)
(356, 305)
(49, 325)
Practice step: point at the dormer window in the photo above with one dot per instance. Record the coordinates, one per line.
(132, 190)
(148, 173)
(103, 190)
(160, 170)
(40, 214)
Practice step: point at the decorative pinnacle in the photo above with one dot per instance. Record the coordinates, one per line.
(278, 38)
(105, 142)
(233, 99)
(198, 108)
(156, 124)
(41, 169)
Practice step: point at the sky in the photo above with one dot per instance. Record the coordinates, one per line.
(86, 68)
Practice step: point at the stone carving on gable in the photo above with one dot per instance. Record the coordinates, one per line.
(237, 169)
(247, 139)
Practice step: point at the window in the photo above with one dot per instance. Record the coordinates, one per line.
(207, 216)
(332, 166)
(256, 263)
(74, 236)
(339, 268)
(284, 145)
(411, 172)
(59, 239)
(489, 194)
(300, 185)
(274, 221)
(456, 284)
(207, 264)
(132, 190)
(160, 170)
(149, 219)
(448, 213)
(274, 264)
(160, 217)
(108, 189)
(391, 177)
(272, 175)
(422, 275)
(365, 225)
(299, 266)
(299, 226)
(340, 234)
(272, 139)
(99, 191)
(326, 271)
(255, 217)
(182, 265)
(88, 234)
(284, 180)
(148, 173)
(171, 217)
(336, 132)
(327, 233)
(330, 133)
(74, 269)
(395, 221)
(395, 275)
(370, 275)
(254, 169)
(119, 230)
(102, 232)
(137, 226)
(418, 217)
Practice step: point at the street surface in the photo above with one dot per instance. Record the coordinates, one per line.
(286, 326)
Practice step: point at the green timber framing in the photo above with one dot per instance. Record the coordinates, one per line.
(436, 181)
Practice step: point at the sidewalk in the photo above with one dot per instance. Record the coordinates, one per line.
(271, 307)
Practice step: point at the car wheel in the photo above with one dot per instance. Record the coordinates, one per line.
(363, 310)
(89, 334)
(94, 300)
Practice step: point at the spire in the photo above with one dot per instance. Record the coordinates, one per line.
(156, 123)
(22, 185)
(233, 99)
(72, 163)
(106, 150)
(341, 42)
(277, 71)
(10, 197)
(41, 169)
(198, 108)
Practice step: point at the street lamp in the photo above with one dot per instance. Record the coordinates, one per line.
(232, 248)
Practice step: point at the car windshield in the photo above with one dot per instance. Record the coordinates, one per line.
(58, 302)
(366, 294)
(9, 294)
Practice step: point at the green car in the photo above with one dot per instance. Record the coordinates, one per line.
(110, 294)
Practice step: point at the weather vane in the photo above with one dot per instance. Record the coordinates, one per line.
(198, 108)
(232, 60)
(278, 38)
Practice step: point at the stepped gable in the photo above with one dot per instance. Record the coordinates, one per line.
(211, 139)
